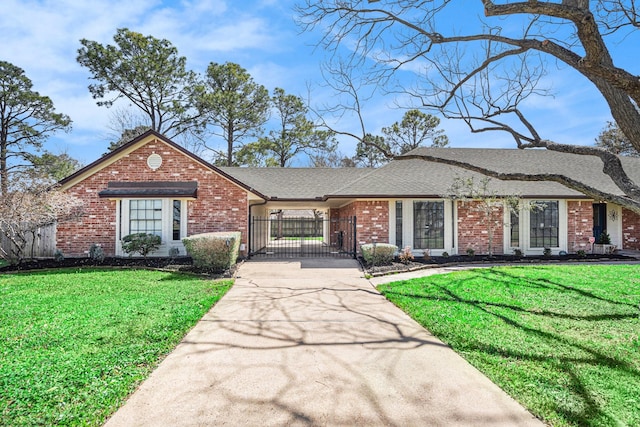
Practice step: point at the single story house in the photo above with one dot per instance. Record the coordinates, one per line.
(153, 185)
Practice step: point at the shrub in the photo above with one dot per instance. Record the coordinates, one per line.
(581, 253)
(379, 253)
(143, 243)
(546, 252)
(517, 252)
(214, 252)
(604, 238)
(58, 255)
(406, 256)
(471, 252)
(445, 254)
(96, 253)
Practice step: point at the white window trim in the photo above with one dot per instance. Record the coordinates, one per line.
(122, 225)
(525, 233)
(407, 225)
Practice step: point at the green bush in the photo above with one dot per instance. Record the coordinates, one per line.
(214, 252)
(143, 243)
(604, 238)
(379, 253)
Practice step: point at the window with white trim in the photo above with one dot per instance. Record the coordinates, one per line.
(145, 216)
(544, 224)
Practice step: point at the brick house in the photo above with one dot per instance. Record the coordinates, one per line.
(153, 185)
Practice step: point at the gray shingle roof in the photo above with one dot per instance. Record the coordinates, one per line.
(296, 183)
(409, 177)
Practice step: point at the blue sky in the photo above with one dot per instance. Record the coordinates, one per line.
(42, 37)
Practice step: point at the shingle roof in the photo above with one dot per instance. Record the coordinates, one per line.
(411, 177)
(296, 183)
(587, 169)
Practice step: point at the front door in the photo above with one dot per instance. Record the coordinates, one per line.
(599, 219)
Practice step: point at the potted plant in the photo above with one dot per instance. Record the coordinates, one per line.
(603, 244)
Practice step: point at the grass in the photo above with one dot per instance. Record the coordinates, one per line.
(562, 340)
(75, 343)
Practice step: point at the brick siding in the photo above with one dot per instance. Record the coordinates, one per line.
(473, 228)
(220, 206)
(579, 225)
(372, 220)
(630, 230)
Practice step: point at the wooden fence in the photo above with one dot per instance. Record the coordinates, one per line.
(42, 245)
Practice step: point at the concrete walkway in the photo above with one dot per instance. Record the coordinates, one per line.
(312, 343)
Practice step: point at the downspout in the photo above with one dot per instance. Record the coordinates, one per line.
(249, 237)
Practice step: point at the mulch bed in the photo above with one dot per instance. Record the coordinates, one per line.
(181, 264)
(438, 261)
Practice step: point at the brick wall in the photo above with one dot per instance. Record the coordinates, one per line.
(630, 230)
(473, 228)
(220, 205)
(372, 220)
(579, 225)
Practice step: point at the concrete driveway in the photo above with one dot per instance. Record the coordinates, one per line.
(313, 343)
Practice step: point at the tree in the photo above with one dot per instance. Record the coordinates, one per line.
(414, 130)
(483, 74)
(126, 136)
(235, 105)
(613, 140)
(29, 204)
(54, 166)
(371, 151)
(294, 133)
(27, 119)
(149, 73)
(479, 197)
(330, 159)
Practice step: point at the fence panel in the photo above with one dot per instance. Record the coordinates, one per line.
(40, 245)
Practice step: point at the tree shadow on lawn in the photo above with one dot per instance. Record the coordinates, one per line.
(572, 357)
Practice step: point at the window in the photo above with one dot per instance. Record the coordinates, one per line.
(399, 223)
(145, 216)
(544, 219)
(428, 225)
(176, 219)
(515, 229)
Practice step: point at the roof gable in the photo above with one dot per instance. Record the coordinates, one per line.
(146, 138)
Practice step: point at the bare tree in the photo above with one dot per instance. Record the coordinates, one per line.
(479, 197)
(31, 203)
(483, 73)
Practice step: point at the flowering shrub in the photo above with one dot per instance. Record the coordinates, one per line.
(379, 253)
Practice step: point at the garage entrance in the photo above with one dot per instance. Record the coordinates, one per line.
(294, 237)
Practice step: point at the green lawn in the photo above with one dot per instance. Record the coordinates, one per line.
(562, 340)
(74, 343)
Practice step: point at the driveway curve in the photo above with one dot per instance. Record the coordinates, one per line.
(312, 343)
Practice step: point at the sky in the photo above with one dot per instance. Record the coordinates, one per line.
(43, 36)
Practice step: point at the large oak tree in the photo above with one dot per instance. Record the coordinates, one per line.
(483, 72)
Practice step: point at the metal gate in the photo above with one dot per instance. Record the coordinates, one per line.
(302, 237)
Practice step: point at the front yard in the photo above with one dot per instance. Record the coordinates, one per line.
(562, 340)
(74, 343)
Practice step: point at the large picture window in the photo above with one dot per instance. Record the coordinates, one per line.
(544, 225)
(145, 216)
(428, 225)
